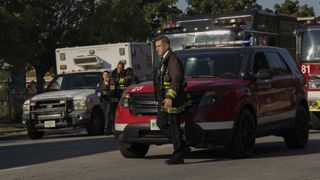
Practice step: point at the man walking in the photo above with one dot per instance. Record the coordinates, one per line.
(172, 97)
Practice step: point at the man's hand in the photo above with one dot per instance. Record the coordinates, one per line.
(167, 103)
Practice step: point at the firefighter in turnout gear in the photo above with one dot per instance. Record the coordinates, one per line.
(117, 80)
(172, 97)
(117, 85)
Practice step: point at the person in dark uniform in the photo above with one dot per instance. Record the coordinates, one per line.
(172, 97)
(105, 87)
(117, 85)
(130, 77)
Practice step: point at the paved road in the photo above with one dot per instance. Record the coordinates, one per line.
(76, 156)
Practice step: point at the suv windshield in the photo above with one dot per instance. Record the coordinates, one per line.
(217, 64)
(88, 80)
(179, 40)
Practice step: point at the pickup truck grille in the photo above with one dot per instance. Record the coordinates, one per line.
(143, 104)
(54, 109)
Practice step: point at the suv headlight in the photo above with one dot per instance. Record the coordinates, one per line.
(80, 103)
(125, 100)
(210, 98)
(26, 107)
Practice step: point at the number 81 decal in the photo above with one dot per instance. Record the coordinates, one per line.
(305, 69)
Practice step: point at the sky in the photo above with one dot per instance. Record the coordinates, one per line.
(269, 4)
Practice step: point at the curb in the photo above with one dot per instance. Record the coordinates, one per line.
(16, 133)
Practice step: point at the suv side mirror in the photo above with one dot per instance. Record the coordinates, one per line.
(264, 74)
(248, 76)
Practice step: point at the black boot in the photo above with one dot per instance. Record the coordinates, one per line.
(174, 161)
(177, 158)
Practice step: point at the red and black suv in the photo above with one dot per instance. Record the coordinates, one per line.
(238, 94)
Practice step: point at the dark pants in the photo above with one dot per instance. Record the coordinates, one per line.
(109, 120)
(170, 123)
(113, 109)
(114, 98)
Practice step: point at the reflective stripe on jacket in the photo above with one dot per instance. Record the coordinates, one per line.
(171, 84)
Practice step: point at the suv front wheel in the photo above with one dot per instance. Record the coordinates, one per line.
(298, 135)
(133, 150)
(244, 136)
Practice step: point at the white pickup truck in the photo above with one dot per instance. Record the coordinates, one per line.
(73, 99)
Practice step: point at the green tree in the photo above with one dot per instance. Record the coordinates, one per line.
(160, 12)
(35, 28)
(31, 30)
(126, 20)
(292, 7)
(115, 21)
(221, 6)
(11, 33)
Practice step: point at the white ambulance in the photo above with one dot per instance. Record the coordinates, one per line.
(73, 99)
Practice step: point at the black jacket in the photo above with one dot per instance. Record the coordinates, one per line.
(170, 82)
(117, 83)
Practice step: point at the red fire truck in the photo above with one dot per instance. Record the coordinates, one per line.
(261, 28)
(308, 55)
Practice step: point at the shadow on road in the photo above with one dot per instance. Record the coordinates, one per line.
(262, 150)
(40, 152)
(279, 149)
(204, 155)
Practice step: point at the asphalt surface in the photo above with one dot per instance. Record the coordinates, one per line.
(77, 156)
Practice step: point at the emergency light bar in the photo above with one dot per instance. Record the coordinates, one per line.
(306, 18)
(244, 21)
(218, 44)
(88, 62)
(190, 25)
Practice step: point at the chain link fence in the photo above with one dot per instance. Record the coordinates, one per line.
(11, 102)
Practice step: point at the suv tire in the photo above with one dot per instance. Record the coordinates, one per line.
(133, 150)
(96, 124)
(244, 136)
(298, 135)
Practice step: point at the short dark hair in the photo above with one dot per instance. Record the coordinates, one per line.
(163, 39)
(121, 63)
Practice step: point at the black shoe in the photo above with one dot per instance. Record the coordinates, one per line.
(186, 150)
(174, 161)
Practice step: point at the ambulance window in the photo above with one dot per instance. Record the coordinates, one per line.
(62, 56)
(122, 51)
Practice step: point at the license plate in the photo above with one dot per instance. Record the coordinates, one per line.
(153, 125)
(49, 124)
